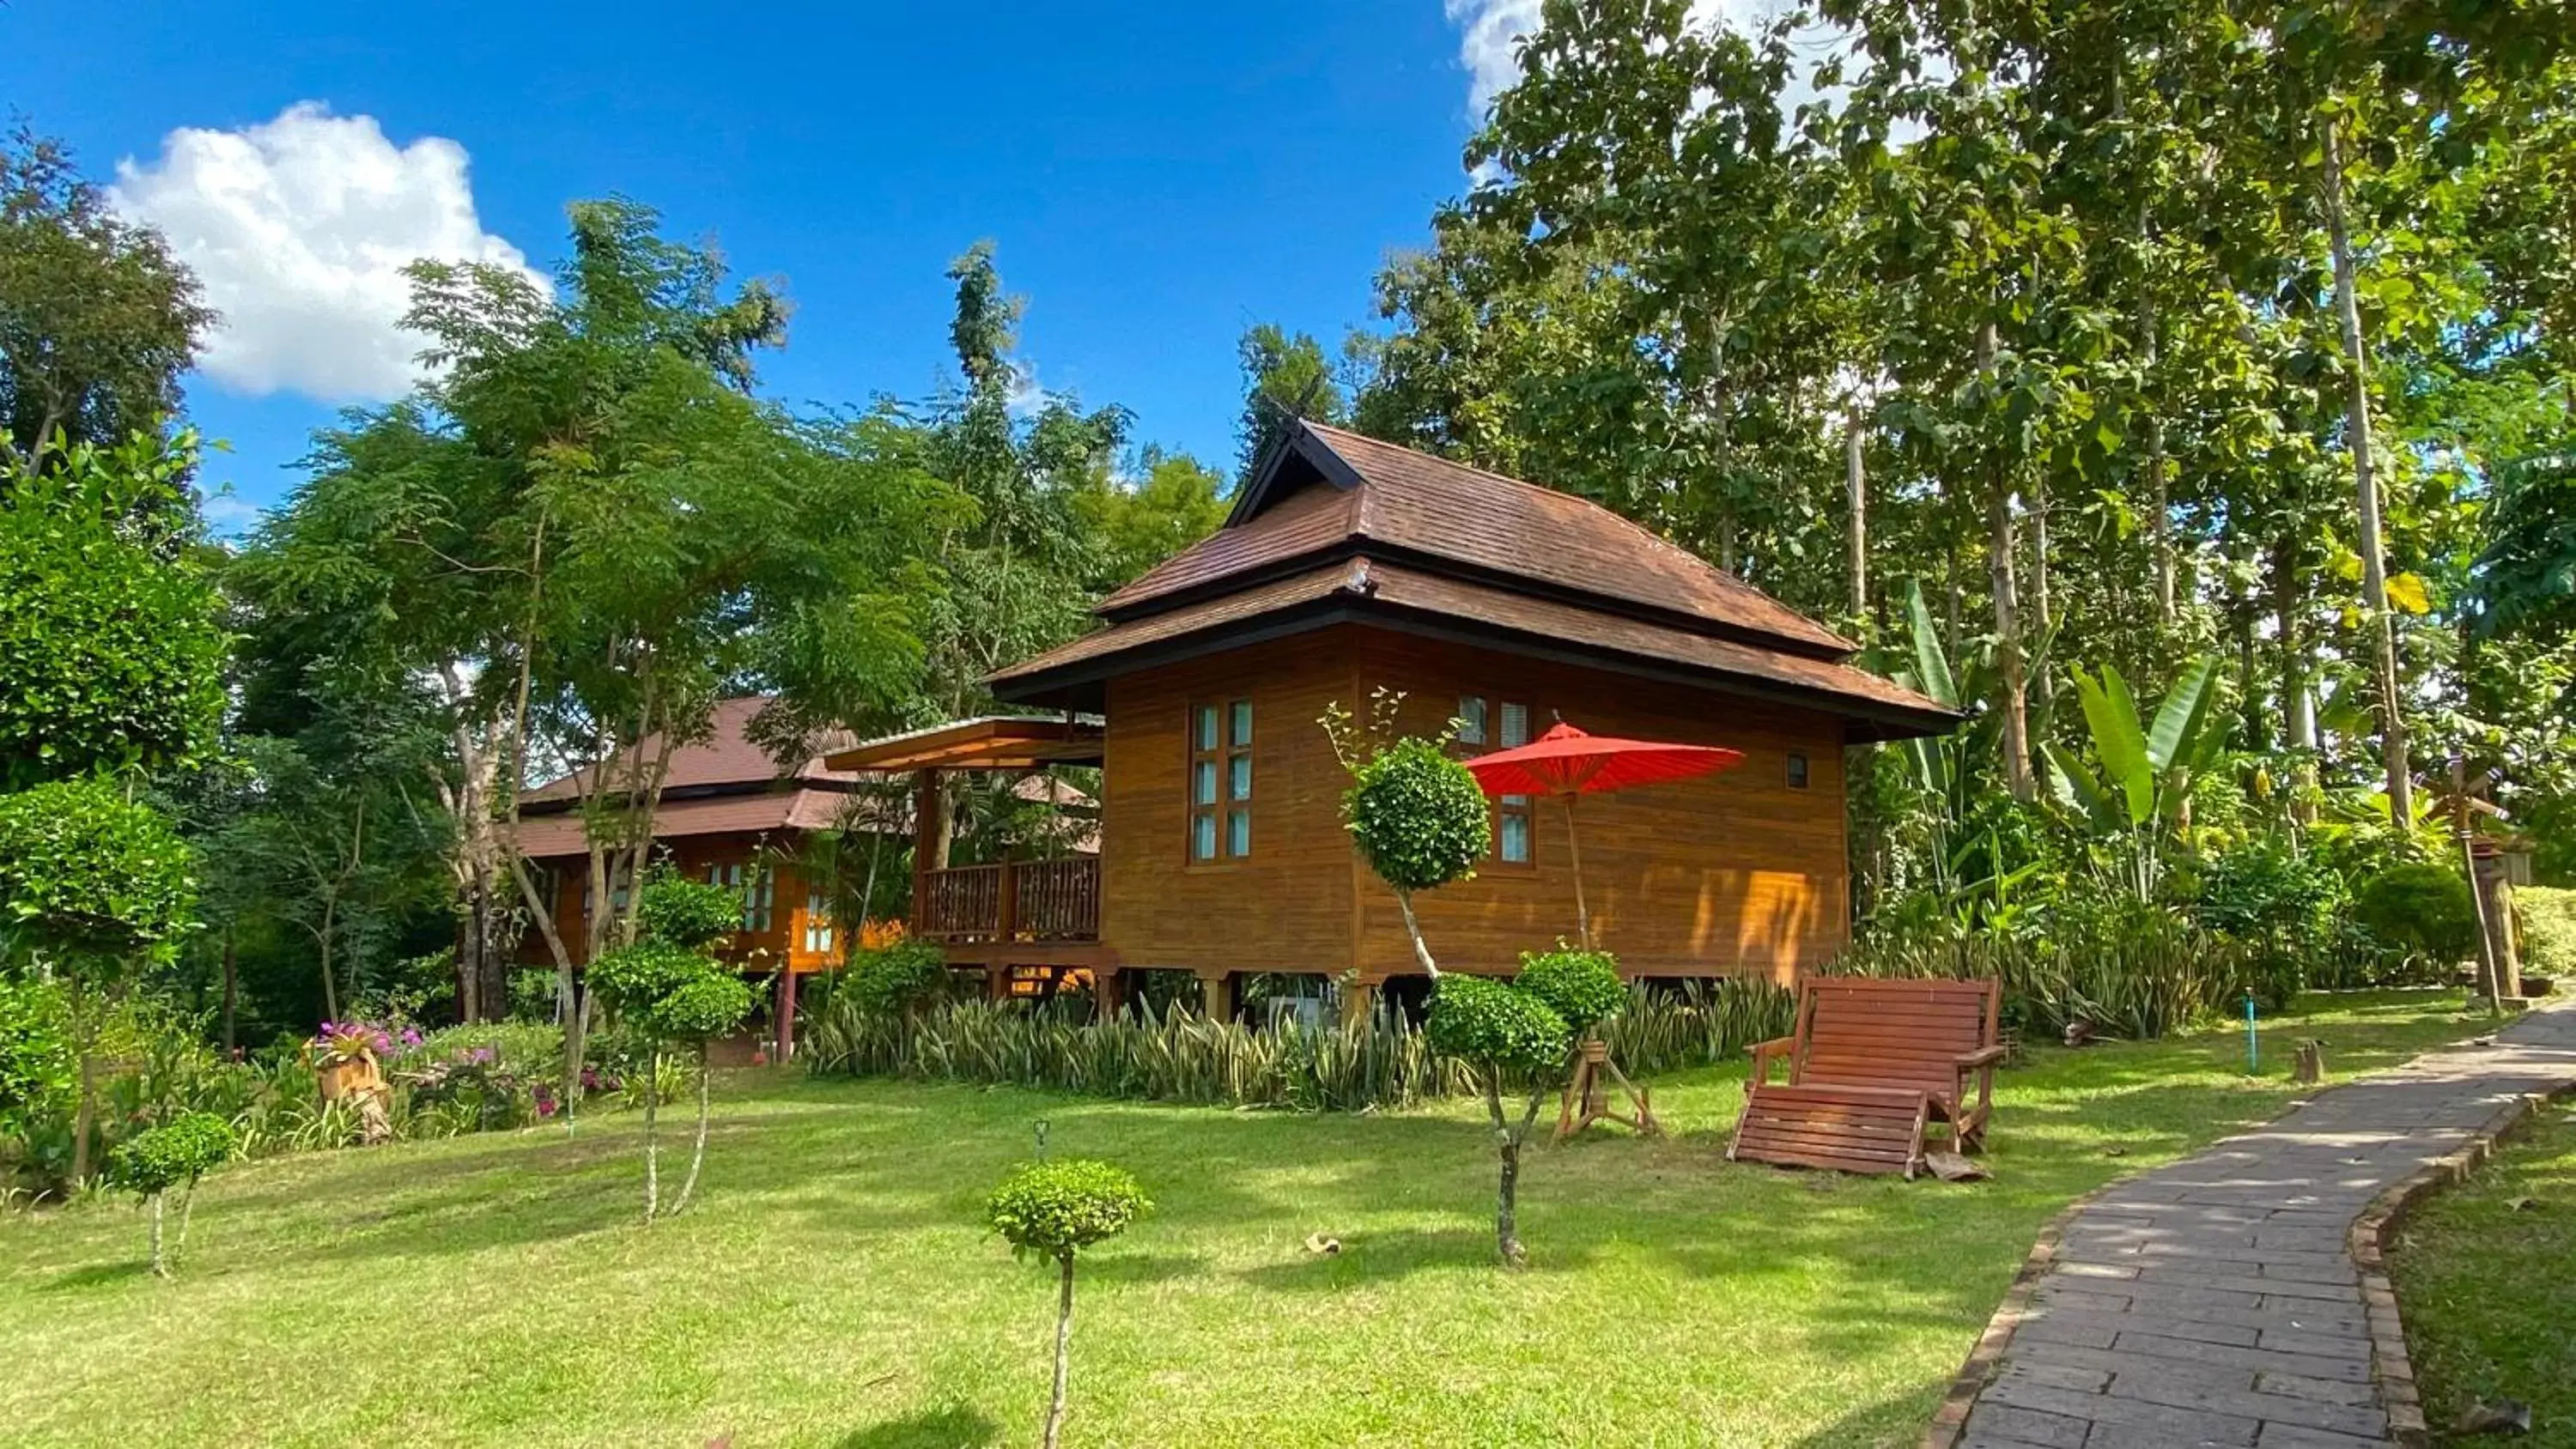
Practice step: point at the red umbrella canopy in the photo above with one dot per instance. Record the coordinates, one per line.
(1566, 761)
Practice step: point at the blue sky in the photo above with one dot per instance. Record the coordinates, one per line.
(1156, 177)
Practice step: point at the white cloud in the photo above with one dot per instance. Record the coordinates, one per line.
(228, 514)
(300, 228)
(1489, 33)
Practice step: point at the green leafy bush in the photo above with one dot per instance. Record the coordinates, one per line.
(683, 912)
(1482, 1020)
(705, 1007)
(634, 978)
(1418, 816)
(901, 976)
(173, 1155)
(1581, 986)
(84, 872)
(110, 638)
(2421, 909)
(37, 1063)
(1055, 1209)
(2547, 919)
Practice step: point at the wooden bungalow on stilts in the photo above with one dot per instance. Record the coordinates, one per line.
(1350, 565)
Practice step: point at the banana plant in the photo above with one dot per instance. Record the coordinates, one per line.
(2146, 772)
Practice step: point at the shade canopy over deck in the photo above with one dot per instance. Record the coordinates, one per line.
(987, 742)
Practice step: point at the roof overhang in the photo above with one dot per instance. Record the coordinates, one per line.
(990, 742)
(1882, 712)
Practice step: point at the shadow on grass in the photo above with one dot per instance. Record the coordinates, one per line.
(97, 1275)
(954, 1427)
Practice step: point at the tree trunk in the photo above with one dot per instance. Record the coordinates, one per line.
(85, 1110)
(160, 1265)
(652, 1149)
(232, 990)
(2014, 706)
(322, 939)
(187, 1210)
(1063, 1351)
(1413, 928)
(697, 1151)
(2374, 565)
(1856, 489)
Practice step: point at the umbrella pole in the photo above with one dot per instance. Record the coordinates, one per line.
(1574, 848)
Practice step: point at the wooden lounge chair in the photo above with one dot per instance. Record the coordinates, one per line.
(1871, 1064)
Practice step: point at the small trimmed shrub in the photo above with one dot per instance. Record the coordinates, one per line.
(686, 912)
(1054, 1210)
(1582, 986)
(1420, 822)
(2421, 909)
(899, 977)
(1522, 1033)
(175, 1154)
(671, 995)
(2547, 919)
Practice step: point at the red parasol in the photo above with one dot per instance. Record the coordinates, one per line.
(1566, 762)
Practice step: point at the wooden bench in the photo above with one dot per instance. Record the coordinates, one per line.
(1872, 1064)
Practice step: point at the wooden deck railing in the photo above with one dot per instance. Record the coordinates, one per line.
(1026, 900)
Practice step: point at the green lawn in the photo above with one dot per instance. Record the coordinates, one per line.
(2489, 1287)
(836, 1288)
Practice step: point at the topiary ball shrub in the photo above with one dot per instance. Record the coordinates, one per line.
(85, 871)
(896, 978)
(2422, 909)
(1583, 987)
(687, 912)
(1419, 818)
(633, 978)
(1054, 1210)
(160, 1158)
(175, 1154)
(703, 1007)
(1480, 1019)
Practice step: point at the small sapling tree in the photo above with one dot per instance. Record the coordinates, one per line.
(93, 887)
(175, 1154)
(672, 994)
(1053, 1210)
(1521, 1033)
(1417, 816)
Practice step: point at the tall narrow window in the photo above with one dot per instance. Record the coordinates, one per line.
(757, 887)
(1221, 781)
(1471, 719)
(818, 922)
(1514, 839)
(1797, 771)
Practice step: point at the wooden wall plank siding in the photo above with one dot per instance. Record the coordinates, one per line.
(783, 942)
(1728, 874)
(1734, 873)
(1288, 906)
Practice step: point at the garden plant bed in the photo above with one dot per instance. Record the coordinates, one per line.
(835, 1286)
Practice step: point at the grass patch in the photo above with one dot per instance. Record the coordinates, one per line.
(2489, 1289)
(836, 1288)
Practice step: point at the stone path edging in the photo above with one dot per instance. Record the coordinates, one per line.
(2391, 1365)
(2200, 1302)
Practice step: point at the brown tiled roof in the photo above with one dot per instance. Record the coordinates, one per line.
(1375, 591)
(725, 757)
(1363, 492)
(561, 833)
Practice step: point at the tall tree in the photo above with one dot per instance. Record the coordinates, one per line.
(97, 319)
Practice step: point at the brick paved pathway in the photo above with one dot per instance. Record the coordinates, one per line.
(2214, 1302)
